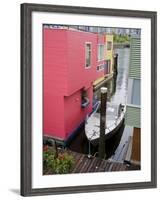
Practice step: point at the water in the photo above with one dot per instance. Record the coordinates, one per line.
(120, 94)
(117, 87)
(117, 93)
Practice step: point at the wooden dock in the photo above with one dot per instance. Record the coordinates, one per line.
(84, 164)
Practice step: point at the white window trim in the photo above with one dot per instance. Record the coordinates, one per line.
(97, 52)
(91, 55)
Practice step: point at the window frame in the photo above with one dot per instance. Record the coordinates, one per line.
(100, 59)
(99, 67)
(86, 43)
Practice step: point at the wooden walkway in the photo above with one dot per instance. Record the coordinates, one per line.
(83, 164)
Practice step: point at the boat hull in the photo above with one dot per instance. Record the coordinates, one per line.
(95, 142)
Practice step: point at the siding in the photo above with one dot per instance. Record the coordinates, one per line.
(133, 116)
(135, 58)
(77, 75)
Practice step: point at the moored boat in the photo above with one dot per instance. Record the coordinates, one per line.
(114, 119)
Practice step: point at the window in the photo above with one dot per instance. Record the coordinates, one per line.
(109, 45)
(100, 51)
(100, 67)
(107, 68)
(85, 100)
(136, 92)
(88, 54)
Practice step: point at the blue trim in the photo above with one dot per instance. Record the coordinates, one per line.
(95, 106)
(73, 133)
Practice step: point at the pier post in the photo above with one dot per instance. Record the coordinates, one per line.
(101, 148)
(115, 64)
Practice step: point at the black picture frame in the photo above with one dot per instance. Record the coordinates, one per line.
(26, 98)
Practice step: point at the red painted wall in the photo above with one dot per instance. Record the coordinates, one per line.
(78, 75)
(65, 76)
(74, 114)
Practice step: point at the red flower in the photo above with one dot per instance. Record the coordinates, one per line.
(45, 148)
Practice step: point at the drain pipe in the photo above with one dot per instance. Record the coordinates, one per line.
(101, 148)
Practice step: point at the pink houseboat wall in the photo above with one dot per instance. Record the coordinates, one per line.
(78, 75)
(74, 114)
(65, 76)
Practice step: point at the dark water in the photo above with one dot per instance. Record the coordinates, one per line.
(117, 93)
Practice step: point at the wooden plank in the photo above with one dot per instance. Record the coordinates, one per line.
(97, 167)
(126, 148)
(109, 166)
(118, 167)
(92, 166)
(85, 166)
(136, 146)
(114, 166)
(81, 165)
(102, 166)
(129, 151)
(90, 162)
(123, 167)
(75, 170)
(77, 157)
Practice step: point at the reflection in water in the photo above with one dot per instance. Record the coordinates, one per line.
(117, 86)
(122, 77)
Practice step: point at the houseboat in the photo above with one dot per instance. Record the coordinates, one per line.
(109, 67)
(72, 61)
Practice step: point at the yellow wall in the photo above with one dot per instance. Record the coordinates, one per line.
(109, 53)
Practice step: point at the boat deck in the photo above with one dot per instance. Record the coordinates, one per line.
(92, 127)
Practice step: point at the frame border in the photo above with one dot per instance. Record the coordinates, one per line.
(26, 98)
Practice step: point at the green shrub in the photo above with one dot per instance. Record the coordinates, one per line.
(62, 164)
(121, 38)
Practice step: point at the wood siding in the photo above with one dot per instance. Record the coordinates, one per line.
(133, 116)
(133, 112)
(136, 146)
(135, 58)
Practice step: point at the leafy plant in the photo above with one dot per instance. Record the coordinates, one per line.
(62, 164)
(121, 38)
